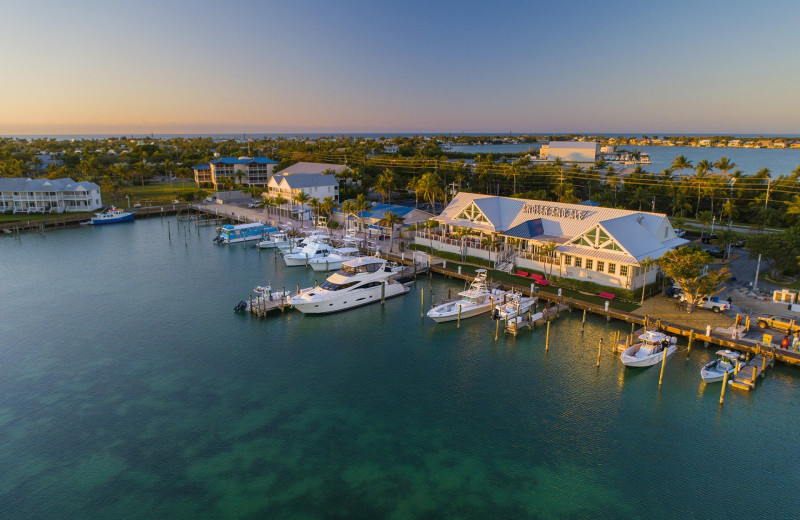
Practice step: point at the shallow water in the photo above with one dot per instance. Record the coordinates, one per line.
(130, 389)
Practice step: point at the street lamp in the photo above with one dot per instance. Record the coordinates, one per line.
(129, 201)
(713, 220)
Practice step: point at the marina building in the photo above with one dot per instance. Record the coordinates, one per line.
(23, 195)
(250, 171)
(569, 151)
(600, 245)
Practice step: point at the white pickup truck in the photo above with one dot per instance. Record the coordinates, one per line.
(712, 304)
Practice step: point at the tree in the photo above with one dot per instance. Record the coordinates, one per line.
(779, 249)
(700, 179)
(681, 163)
(385, 184)
(347, 211)
(686, 266)
(266, 202)
(547, 249)
(726, 237)
(301, 198)
(429, 187)
(724, 165)
(280, 201)
(360, 205)
(389, 220)
(647, 263)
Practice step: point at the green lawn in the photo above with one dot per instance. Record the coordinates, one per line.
(152, 194)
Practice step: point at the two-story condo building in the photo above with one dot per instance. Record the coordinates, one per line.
(601, 245)
(250, 171)
(23, 195)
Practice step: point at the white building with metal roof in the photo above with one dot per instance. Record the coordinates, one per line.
(601, 245)
(569, 151)
(24, 195)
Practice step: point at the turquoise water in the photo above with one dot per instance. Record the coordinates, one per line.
(130, 389)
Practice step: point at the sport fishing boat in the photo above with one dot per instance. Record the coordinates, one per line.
(309, 252)
(649, 350)
(725, 361)
(360, 281)
(474, 301)
(334, 260)
(515, 305)
(112, 216)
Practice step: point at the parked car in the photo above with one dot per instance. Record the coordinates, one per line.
(712, 304)
(740, 243)
(716, 252)
(253, 205)
(780, 322)
(673, 292)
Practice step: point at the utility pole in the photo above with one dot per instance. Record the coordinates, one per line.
(758, 267)
(766, 201)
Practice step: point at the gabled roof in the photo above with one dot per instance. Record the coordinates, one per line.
(530, 229)
(296, 181)
(45, 185)
(312, 167)
(634, 235)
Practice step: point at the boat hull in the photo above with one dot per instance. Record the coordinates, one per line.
(350, 300)
(294, 260)
(449, 311)
(636, 362)
(116, 220)
(332, 265)
(712, 374)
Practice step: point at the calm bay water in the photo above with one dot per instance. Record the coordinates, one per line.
(130, 389)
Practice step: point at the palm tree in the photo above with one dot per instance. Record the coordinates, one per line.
(326, 206)
(385, 184)
(347, 211)
(389, 220)
(280, 201)
(315, 205)
(793, 210)
(700, 179)
(301, 198)
(729, 210)
(647, 263)
(546, 250)
(512, 170)
(681, 163)
(724, 165)
(705, 218)
(360, 205)
(240, 175)
(412, 186)
(613, 180)
(430, 189)
(267, 202)
(489, 242)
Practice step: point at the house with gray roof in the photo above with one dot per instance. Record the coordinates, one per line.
(23, 195)
(316, 185)
(601, 245)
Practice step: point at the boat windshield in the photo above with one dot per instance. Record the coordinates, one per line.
(362, 268)
(330, 286)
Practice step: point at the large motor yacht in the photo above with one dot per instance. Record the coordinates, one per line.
(360, 281)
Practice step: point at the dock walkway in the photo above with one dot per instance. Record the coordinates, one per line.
(745, 379)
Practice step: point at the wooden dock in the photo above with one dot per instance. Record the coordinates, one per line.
(262, 306)
(746, 378)
(531, 320)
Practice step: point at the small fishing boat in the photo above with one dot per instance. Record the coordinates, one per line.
(725, 361)
(476, 300)
(515, 305)
(279, 239)
(112, 216)
(649, 350)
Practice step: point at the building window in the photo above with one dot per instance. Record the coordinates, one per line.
(612, 268)
(578, 261)
(567, 260)
(600, 266)
(588, 263)
(623, 270)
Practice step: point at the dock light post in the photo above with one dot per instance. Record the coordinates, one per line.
(129, 201)
(758, 267)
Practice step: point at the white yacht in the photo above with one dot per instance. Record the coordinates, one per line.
(360, 281)
(312, 250)
(334, 260)
(515, 305)
(474, 301)
(715, 369)
(649, 350)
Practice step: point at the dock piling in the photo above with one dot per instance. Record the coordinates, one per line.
(724, 384)
(689, 348)
(458, 323)
(422, 303)
(496, 329)
(663, 364)
(599, 351)
(547, 338)
(583, 321)
(383, 293)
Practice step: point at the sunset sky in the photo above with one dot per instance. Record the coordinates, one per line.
(347, 66)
